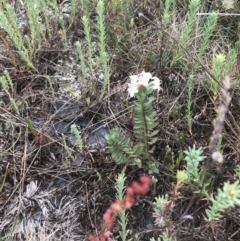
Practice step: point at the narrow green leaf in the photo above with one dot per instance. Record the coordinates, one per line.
(154, 140)
(152, 150)
(29, 124)
(154, 133)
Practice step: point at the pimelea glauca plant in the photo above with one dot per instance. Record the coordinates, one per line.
(196, 174)
(122, 148)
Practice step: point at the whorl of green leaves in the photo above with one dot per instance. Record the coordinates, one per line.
(193, 158)
(122, 149)
(226, 198)
(145, 121)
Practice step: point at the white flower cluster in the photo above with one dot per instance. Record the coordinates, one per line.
(142, 79)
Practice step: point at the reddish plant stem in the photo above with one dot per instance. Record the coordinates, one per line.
(141, 188)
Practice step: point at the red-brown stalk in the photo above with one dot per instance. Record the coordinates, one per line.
(140, 188)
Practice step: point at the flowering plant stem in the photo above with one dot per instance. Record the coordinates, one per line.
(109, 217)
(142, 100)
(121, 147)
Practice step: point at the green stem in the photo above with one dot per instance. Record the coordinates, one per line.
(146, 131)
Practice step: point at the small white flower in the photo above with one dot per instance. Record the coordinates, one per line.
(132, 88)
(142, 79)
(217, 157)
(136, 81)
(156, 83)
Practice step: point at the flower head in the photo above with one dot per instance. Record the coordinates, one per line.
(217, 157)
(142, 80)
(156, 83)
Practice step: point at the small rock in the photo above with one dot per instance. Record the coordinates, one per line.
(39, 216)
(79, 158)
(83, 123)
(97, 136)
(62, 127)
(72, 140)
